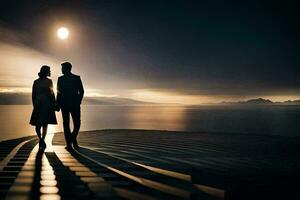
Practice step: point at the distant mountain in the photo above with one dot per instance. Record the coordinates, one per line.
(289, 102)
(261, 101)
(25, 99)
(257, 101)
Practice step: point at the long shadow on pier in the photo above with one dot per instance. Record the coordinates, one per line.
(120, 181)
(116, 166)
(136, 179)
(36, 184)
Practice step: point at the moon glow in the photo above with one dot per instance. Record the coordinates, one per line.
(63, 33)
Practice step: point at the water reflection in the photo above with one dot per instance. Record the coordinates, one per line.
(14, 119)
(261, 120)
(157, 117)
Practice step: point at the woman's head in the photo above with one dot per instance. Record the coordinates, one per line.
(44, 71)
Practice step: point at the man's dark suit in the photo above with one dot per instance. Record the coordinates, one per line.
(69, 96)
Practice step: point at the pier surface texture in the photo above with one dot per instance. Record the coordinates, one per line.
(144, 164)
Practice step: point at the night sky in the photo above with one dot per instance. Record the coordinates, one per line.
(171, 49)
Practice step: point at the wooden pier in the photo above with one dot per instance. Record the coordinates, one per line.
(140, 164)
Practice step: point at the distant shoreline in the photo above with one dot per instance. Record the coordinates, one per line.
(25, 99)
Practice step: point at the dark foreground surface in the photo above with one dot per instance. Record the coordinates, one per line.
(137, 164)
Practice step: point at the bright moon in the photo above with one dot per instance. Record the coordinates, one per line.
(63, 33)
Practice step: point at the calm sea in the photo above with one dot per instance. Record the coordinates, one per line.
(270, 120)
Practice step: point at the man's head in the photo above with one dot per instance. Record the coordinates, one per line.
(66, 68)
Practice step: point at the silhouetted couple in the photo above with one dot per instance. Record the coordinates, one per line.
(69, 96)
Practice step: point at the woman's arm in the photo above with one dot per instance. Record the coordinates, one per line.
(52, 95)
(33, 95)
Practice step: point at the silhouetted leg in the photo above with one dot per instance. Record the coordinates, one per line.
(42, 144)
(66, 123)
(45, 127)
(76, 120)
(38, 131)
(75, 113)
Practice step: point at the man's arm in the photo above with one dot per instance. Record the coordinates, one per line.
(58, 95)
(80, 90)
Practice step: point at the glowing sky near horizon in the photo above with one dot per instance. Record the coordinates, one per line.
(184, 53)
(23, 63)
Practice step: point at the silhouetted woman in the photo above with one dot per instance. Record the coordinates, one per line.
(43, 101)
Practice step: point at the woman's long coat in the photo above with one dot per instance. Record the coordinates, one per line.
(43, 100)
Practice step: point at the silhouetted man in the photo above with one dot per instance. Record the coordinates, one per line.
(69, 96)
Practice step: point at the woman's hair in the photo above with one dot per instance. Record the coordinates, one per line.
(44, 71)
